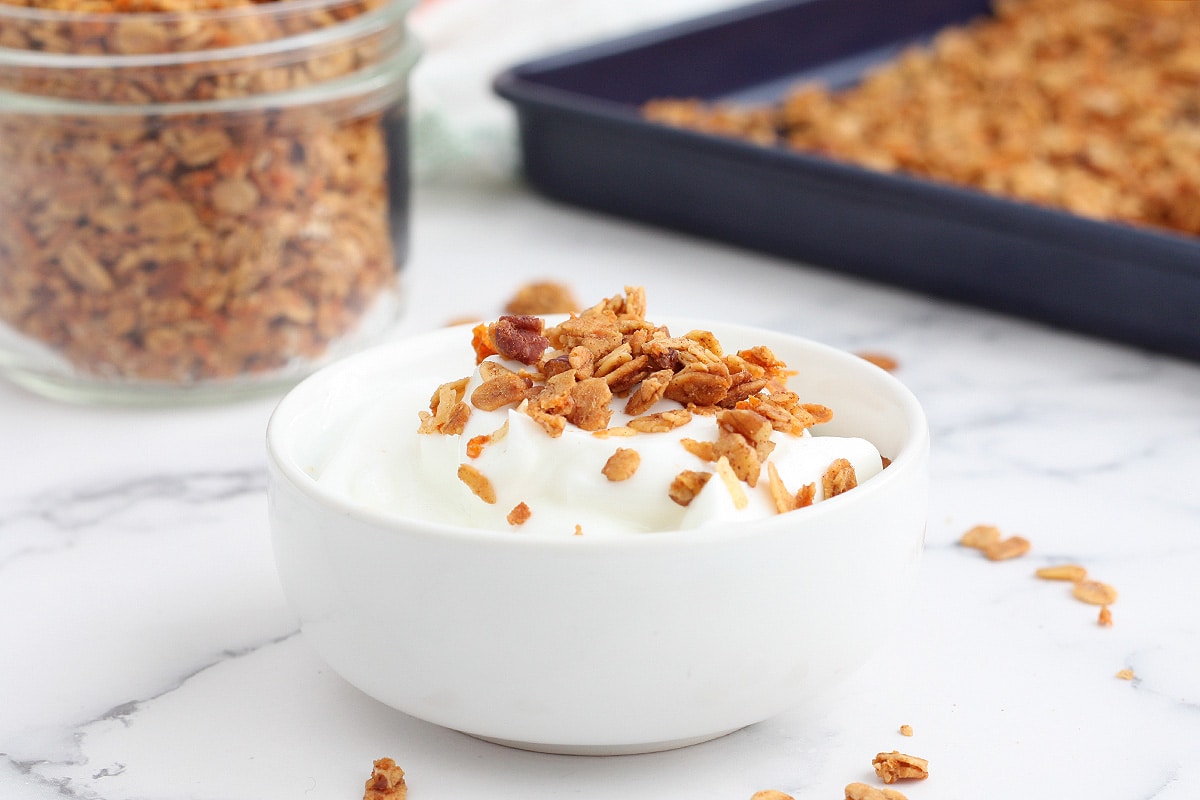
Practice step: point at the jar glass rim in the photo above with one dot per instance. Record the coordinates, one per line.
(280, 9)
(376, 20)
(379, 77)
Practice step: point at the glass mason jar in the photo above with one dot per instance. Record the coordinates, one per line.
(194, 207)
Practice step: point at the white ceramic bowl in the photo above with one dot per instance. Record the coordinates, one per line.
(605, 644)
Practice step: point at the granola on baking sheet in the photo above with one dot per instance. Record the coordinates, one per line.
(1085, 105)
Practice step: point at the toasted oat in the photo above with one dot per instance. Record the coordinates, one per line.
(687, 485)
(784, 500)
(732, 483)
(806, 496)
(386, 781)
(661, 422)
(477, 482)
(1105, 619)
(619, 431)
(1062, 572)
(701, 450)
(505, 389)
(1012, 547)
(1125, 674)
(906, 730)
(622, 464)
(1094, 592)
(590, 398)
(771, 794)
(447, 412)
(897, 766)
(649, 391)
(980, 537)
(861, 791)
(543, 297)
(519, 515)
(838, 478)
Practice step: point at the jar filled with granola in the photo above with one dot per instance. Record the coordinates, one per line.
(199, 199)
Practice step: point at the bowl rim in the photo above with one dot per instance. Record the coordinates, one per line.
(912, 456)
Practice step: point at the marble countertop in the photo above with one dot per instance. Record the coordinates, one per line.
(148, 652)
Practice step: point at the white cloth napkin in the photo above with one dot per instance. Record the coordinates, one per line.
(461, 131)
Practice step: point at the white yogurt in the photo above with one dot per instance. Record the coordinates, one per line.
(380, 462)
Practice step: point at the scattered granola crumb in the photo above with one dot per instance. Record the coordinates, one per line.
(1012, 547)
(906, 730)
(771, 794)
(1105, 620)
(519, 515)
(622, 464)
(861, 791)
(838, 478)
(980, 536)
(477, 482)
(579, 530)
(880, 360)
(386, 782)
(687, 485)
(543, 297)
(1125, 674)
(1062, 572)
(1094, 592)
(897, 766)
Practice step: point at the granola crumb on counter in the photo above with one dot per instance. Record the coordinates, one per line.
(1125, 674)
(386, 782)
(897, 766)
(1105, 619)
(881, 360)
(1062, 572)
(906, 730)
(771, 794)
(1012, 547)
(1094, 592)
(862, 791)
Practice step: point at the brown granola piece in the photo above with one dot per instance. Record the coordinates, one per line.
(476, 444)
(1094, 592)
(897, 766)
(980, 537)
(861, 791)
(519, 337)
(477, 482)
(386, 781)
(590, 399)
(622, 464)
(1062, 572)
(447, 413)
(519, 515)
(699, 383)
(771, 794)
(1105, 619)
(838, 478)
(906, 730)
(687, 485)
(701, 450)
(503, 390)
(1125, 674)
(806, 495)
(649, 391)
(662, 421)
(1012, 547)
(740, 455)
(543, 297)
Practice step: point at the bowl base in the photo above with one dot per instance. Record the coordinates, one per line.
(605, 749)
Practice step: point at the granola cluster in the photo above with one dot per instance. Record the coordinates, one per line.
(188, 247)
(609, 355)
(1085, 105)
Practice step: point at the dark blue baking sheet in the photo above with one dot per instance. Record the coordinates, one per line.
(583, 141)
